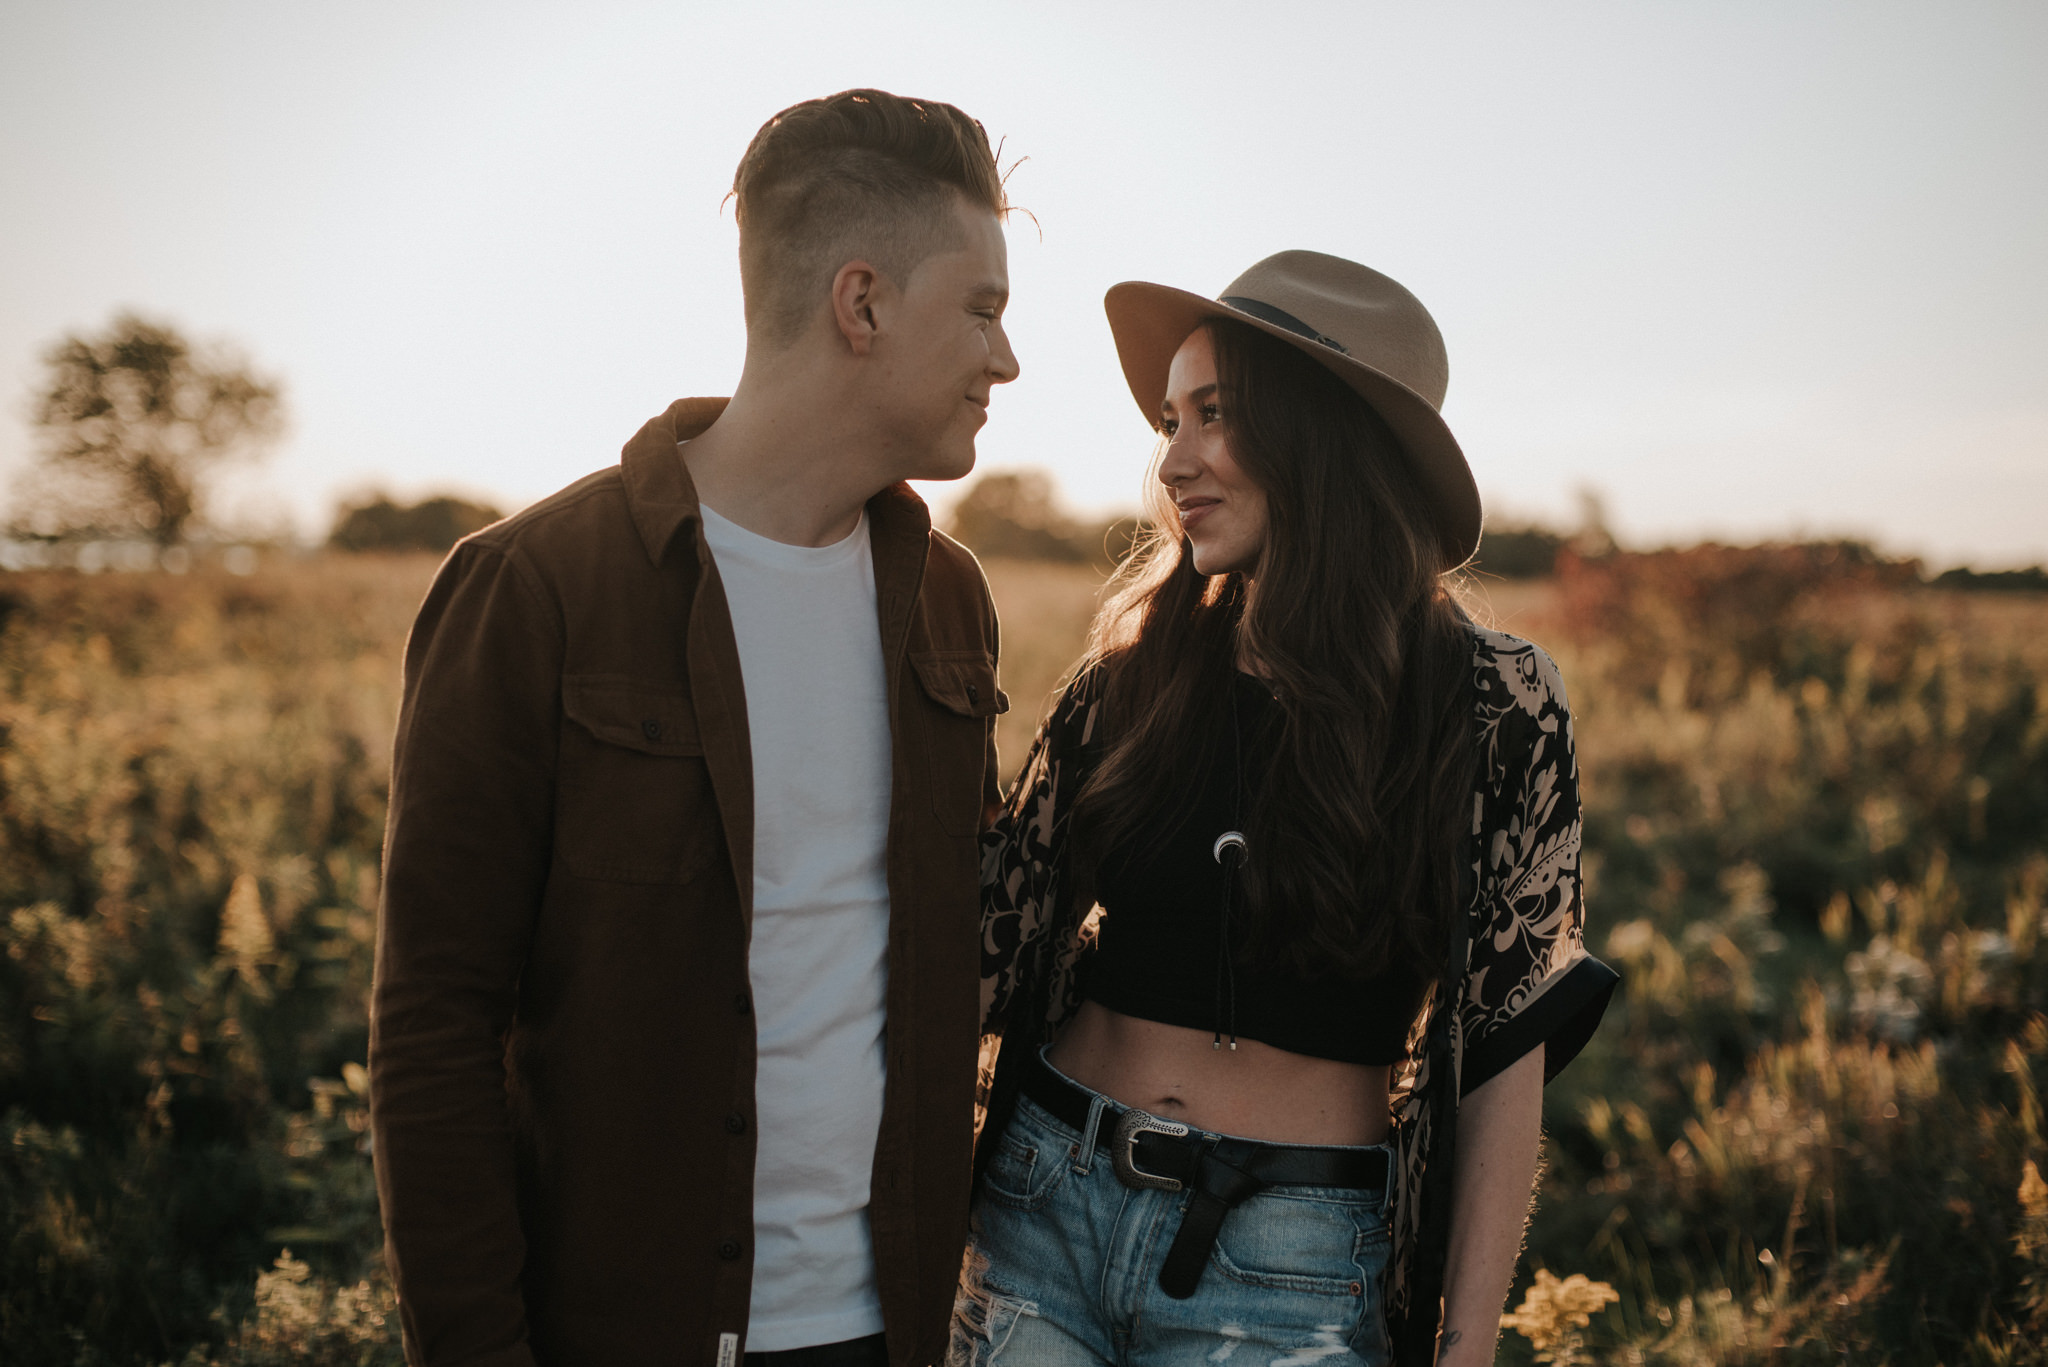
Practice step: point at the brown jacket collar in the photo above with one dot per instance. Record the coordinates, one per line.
(661, 498)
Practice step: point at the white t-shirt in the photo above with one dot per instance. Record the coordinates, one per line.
(818, 714)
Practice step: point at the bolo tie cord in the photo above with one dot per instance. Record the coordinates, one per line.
(1229, 852)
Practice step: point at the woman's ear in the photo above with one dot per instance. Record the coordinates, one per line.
(853, 304)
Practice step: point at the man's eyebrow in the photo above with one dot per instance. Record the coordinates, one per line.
(990, 290)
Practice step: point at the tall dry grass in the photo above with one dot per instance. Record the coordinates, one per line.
(1817, 832)
(192, 785)
(1045, 609)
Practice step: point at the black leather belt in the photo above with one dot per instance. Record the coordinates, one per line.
(1164, 1155)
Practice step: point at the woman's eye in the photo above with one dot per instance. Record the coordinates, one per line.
(1211, 413)
(1167, 426)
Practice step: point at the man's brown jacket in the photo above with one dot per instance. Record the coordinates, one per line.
(562, 1040)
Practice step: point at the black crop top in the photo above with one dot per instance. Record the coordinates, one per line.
(1157, 953)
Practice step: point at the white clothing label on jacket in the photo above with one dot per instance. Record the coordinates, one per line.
(810, 651)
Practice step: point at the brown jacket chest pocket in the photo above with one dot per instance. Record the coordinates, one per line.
(959, 731)
(633, 799)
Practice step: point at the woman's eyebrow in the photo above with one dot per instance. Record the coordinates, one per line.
(1204, 392)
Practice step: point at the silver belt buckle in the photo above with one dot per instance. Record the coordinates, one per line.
(1123, 1146)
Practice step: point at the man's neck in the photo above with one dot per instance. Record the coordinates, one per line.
(779, 464)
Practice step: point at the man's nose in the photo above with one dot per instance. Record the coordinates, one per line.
(1002, 360)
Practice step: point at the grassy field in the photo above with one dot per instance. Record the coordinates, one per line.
(1817, 832)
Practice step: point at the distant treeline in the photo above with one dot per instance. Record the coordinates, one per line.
(1016, 514)
(134, 422)
(432, 524)
(2032, 579)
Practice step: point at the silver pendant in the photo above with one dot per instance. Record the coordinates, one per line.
(1229, 840)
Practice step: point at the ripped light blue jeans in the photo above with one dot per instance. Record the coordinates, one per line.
(1063, 1268)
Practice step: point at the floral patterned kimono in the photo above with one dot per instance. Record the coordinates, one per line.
(1518, 975)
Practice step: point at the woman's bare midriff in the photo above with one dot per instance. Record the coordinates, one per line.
(1254, 1091)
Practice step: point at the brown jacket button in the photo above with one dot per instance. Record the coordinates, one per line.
(729, 1250)
(741, 1003)
(735, 1123)
(973, 693)
(651, 729)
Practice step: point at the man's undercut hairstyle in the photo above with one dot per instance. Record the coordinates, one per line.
(861, 175)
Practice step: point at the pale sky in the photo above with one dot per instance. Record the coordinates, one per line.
(1747, 269)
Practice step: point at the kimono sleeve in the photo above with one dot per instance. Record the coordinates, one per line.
(1530, 981)
(1020, 852)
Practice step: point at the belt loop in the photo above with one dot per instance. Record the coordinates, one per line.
(1096, 1106)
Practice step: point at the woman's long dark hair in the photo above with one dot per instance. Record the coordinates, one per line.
(1356, 834)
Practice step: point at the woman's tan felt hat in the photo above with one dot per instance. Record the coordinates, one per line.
(1368, 330)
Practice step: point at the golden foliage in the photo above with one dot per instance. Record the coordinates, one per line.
(1816, 845)
(301, 1320)
(1553, 1312)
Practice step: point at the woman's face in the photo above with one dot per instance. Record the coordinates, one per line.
(1222, 512)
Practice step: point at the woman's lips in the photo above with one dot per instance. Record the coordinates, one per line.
(1193, 510)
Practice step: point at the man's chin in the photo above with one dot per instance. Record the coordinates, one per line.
(949, 465)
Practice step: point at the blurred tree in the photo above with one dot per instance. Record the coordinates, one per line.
(2032, 579)
(433, 524)
(1519, 552)
(1016, 514)
(130, 422)
(1595, 537)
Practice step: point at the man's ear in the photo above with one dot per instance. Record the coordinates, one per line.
(853, 304)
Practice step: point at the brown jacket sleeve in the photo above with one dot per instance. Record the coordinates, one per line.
(466, 859)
